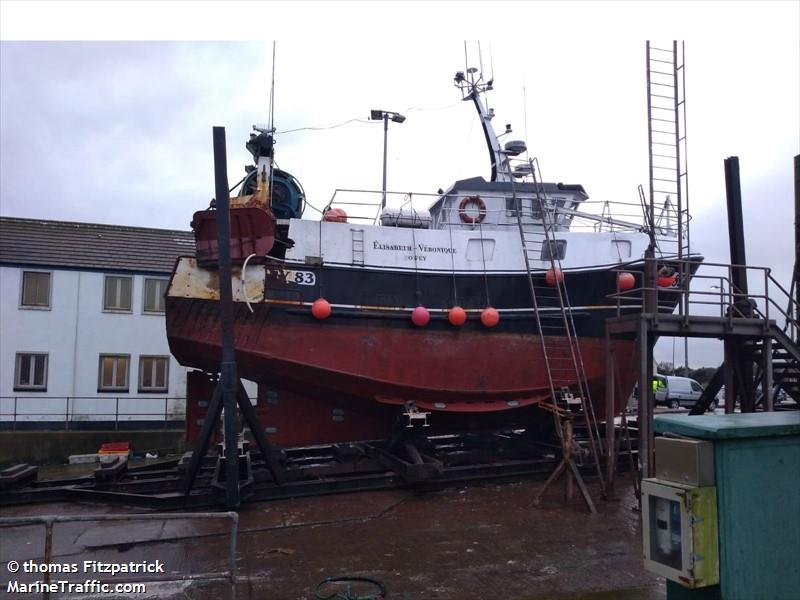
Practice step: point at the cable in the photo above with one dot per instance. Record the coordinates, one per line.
(320, 128)
(347, 594)
(424, 109)
(356, 120)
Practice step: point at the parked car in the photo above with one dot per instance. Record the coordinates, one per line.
(677, 391)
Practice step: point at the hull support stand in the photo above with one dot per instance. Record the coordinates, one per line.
(567, 466)
(229, 392)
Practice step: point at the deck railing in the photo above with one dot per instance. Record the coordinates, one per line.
(364, 206)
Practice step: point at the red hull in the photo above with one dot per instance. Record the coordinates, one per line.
(337, 382)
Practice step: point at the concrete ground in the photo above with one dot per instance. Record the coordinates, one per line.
(476, 542)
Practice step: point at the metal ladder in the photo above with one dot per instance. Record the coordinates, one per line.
(358, 246)
(563, 362)
(666, 135)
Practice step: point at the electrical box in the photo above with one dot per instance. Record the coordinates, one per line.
(685, 460)
(756, 521)
(679, 524)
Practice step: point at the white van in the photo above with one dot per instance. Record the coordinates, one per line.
(681, 391)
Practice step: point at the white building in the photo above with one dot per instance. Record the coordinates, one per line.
(82, 327)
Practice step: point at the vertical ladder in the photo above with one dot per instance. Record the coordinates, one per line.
(563, 361)
(358, 246)
(666, 135)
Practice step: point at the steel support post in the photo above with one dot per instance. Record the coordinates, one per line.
(746, 378)
(48, 555)
(796, 274)
(729, 366)
(228, 375)
(611, 463)
(646, 401)
(385, 140)
(766, 379)
(733, 194)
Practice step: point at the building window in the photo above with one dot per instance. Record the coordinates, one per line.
(153, 373)
(31, 372)
(118, 293)
(35, 289)
(554, 249)
(154, 291)
(113, 373)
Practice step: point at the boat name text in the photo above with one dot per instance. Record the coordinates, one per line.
(409, 248)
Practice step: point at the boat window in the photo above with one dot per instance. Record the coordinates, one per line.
(620, 249)
(480, 249)
(531, 207)
(554, 250)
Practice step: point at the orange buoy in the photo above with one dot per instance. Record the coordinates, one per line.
(457, 316)
(321, 309)
(553, 276)
(667, 281)
(335, 215)
(626, 281)
(420, 316)
(490, 317)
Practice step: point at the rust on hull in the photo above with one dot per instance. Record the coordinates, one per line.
(333, 382)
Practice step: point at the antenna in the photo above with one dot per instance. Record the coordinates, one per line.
(272, 91)
(480, 57)
(466, 58)
(525, 111)
(491, 67)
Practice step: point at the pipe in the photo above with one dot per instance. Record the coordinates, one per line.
(733, 194)
(796, 274)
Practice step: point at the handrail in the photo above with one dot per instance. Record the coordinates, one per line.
(50, 520)
(728, 296)
(627, 216)
(70, 417)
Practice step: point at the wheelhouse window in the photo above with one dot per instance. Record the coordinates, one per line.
(35, 289)
(530, 207)
(117, 295)
(554, 249)
(30, 372)
(154, 292)
(153, 373)
(113, 375)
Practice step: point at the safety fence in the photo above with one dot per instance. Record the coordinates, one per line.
(91, 412)
(711, 291)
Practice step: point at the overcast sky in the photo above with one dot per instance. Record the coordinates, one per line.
(120, 131)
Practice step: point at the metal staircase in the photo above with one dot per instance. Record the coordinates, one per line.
(562, 356)
(776, 357)
(785, 363)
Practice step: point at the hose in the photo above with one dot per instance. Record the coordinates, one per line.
(348, 594)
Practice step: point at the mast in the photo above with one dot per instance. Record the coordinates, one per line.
(472, 86)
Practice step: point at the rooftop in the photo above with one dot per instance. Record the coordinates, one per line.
(91, 246)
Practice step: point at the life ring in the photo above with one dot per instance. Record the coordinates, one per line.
(465, 216)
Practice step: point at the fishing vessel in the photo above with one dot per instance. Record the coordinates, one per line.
(460, 310)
